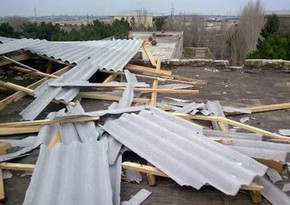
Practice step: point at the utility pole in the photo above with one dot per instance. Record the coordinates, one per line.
(34, 11)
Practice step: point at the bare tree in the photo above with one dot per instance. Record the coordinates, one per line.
(17, 21)
(246, 37)
(192, 27)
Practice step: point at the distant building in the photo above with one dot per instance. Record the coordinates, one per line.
(138, 20)
(284, 19)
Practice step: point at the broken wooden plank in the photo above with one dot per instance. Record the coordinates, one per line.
(146, 48)
(30, 92)
(151, 178)
(36, 73)
(154, 93)
(223, 127)
(159, 77)
(55, 138)
(15, 87)
(226, 141)
(138, 68)
(20, 94)
(33, 123)
(280, 167)
(18, 63)
(234, 123)
(143, 168)
(17, 167)
(98, 96)
(19, 130)
(110, 78)
(150, 90)
(20, 57)
(266, 108)
(155, 86)
(256, 197)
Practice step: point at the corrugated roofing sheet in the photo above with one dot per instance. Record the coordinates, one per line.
(177, 148)
(98, 52)
(110, 55)
(18, 44)
(77, 173)
(5, 39)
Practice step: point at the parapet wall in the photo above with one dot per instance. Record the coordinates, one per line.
(282, 65)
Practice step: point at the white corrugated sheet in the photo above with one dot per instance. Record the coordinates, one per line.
(77, 173)
(181, 151)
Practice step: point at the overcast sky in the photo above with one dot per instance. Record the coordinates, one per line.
(111, 7)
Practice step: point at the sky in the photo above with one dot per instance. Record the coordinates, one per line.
(114, 7)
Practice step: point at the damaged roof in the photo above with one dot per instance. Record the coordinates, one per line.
(179, 150)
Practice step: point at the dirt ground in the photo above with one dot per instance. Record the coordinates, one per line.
(230, 88)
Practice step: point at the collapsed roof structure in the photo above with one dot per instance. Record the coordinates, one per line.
(80, 160)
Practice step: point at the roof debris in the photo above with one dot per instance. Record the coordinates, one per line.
(81, 152)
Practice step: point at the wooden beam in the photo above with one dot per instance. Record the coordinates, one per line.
(2, 194)
(160, 77)
(55, 138)
(48, 121)
(110, 78)
(36, 73)
(280, 167)
(30, 92)
(223, 126)
(155, 85)
(266, 108)
(252, 187)
(138, 68)
(143, 168)
(148, 53)
(234, 123)
(150, 90)
(20, 94)
(256, 197)
(226, 141)
(34, 126)
(17, 167)
(18, 63)
(157, 172)
(15, 87)
(98, 96)
(19, 130)
(20, 57)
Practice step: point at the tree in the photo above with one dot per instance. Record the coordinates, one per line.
(121, 29)
(246, 37)
(272, 26)
(192, 26)
(159, 23)
(273, 44)
(8, 31)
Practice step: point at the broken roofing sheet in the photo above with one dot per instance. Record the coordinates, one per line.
(181, 151)
(109, 58)
(77, 173)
